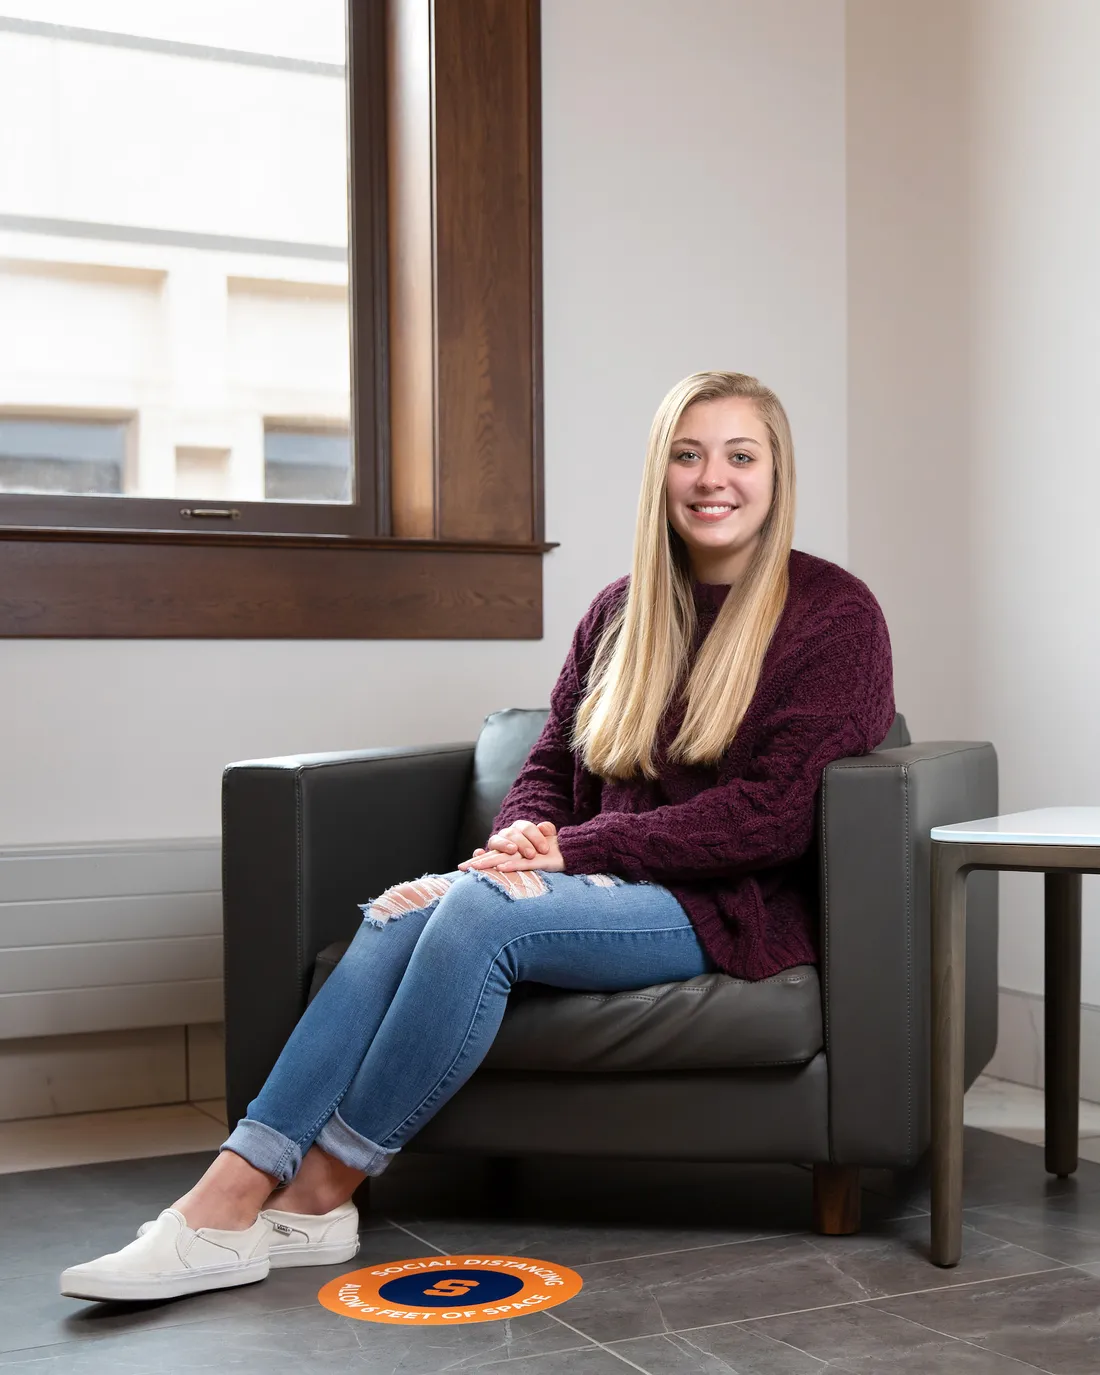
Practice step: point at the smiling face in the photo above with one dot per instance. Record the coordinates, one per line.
(718, 491)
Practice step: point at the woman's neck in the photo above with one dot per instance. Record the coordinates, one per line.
(723, 566)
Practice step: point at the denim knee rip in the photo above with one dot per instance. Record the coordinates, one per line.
(518, 883)
(602, 880)
(405, 897)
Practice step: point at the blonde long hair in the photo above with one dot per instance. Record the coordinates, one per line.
(642, 657)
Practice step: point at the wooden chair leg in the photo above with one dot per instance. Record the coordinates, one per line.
(836, 1200)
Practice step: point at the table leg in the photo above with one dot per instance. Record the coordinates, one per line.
(948, 1044)
(1062, 1015)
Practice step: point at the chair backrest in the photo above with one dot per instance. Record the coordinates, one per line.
(897, 736)
(501, 750)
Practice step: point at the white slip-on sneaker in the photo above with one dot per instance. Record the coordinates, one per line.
(305, 1239)
(170, 1259)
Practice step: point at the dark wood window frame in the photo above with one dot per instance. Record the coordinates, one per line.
(446, 539)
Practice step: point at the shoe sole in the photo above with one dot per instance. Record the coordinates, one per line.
(136, 1288)
(284, 1257)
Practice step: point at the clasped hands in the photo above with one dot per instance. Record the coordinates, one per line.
(522, 845)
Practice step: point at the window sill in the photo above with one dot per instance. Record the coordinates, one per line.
(213, 584)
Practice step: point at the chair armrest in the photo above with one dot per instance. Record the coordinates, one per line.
(305, 839)
(875, 855)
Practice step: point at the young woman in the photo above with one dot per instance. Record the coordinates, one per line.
(661, 828)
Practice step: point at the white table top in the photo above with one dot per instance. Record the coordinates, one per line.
(1046, 826)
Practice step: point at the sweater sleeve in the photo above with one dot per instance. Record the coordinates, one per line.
(543, 790)
(835, 699)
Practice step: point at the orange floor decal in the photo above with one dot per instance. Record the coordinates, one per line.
(450, 1289)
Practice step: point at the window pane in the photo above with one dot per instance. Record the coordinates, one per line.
(306, 465)
(173, 246)
(55, 455)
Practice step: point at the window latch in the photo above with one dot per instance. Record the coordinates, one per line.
(211, 512)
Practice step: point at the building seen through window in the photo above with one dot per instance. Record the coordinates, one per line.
(306, 465)
(174, 286)
(51, 455)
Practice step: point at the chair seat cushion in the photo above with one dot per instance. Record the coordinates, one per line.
(706, 1023)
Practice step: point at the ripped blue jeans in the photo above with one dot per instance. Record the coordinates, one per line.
(412, 1008)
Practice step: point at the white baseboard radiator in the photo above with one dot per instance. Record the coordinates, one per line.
(109, 937)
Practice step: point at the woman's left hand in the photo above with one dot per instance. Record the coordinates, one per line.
(506, 861)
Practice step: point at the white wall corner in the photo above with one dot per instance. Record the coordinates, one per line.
(1020, 1042)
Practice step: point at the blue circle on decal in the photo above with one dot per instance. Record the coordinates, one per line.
(450, 1288)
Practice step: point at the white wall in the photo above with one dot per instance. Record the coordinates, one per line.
(975, 362)
(909, 469)
(1037, 428)
(694, 217)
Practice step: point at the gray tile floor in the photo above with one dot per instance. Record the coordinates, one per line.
(686, 1269)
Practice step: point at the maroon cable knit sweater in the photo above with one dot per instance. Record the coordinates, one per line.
(734, 842)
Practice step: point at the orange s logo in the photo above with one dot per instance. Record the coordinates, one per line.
(452, 1288)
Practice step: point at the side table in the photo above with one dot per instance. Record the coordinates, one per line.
(1063, 843)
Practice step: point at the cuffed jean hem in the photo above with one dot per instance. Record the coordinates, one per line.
(265, 1149)
(339, 1140)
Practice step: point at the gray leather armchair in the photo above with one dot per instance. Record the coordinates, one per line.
(827, 1066)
